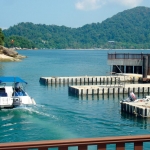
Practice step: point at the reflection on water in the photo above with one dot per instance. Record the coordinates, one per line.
(100, 97)
(145, 122)
(1, 69)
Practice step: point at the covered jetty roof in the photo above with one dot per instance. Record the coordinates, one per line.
(12, 79)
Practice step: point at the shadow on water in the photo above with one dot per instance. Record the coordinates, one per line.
(140, 120)
(99, 97)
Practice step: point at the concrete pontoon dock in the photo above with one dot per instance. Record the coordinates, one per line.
(140, 108)
(109, 89)
(91, 79)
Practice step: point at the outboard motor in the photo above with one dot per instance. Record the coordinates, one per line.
(16, 101)
(132, 96)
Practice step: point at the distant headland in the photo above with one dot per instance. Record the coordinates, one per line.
(126, 30)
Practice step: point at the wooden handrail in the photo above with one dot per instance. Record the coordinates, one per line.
(125, 56)
(81, 143)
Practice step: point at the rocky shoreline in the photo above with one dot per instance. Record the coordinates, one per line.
(9, 54)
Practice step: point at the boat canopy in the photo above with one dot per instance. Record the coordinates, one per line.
(12, 79)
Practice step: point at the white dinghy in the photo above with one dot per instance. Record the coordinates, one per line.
(13, 95)
(132, 98)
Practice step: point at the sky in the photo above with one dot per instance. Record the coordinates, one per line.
(70, 13)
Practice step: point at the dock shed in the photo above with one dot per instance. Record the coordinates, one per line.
(130, 63)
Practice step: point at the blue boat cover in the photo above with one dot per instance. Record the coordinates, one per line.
(11, 79)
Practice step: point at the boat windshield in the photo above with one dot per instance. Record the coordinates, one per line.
(22, 93)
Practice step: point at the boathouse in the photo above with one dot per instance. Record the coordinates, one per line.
(129, 63)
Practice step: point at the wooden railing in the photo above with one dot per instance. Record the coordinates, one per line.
(125, 56)
(82, 144)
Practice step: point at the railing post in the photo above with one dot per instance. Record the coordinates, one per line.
(82, 147)
(63, 148)
(120, 146)
(101, 147)
(43, 148)
(138, 145)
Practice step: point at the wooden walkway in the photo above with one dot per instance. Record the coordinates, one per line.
(109, 89)
(89, 79)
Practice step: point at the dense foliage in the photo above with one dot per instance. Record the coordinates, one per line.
(129, 29)
(1, 37)
(19, 42)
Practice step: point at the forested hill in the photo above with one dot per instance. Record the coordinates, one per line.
(129, 29)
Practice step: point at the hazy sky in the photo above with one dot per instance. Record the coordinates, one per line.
(71, 13)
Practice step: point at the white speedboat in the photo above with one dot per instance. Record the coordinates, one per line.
(13, 94)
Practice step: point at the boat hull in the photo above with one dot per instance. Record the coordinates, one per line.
(16, 101)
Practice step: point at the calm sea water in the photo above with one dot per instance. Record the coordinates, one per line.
(57, 114)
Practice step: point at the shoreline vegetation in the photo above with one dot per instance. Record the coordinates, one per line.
(102, 49)
(80, 49)
(10, 54)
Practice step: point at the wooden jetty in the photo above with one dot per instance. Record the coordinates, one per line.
(140, 108)
(109, 89)
(100, 85)
(90, 79)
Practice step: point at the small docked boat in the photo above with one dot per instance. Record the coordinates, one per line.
(12, 93)
(132, 98)
(136, 106)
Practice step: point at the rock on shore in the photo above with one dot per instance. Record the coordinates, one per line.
(9, 54)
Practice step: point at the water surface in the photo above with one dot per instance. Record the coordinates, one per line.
(57, 114)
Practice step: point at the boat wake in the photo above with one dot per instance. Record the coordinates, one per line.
(40, 110)
(36, 118)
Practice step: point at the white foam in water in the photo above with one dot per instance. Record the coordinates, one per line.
(35, 109)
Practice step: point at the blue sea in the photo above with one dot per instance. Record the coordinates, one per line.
(57, 114)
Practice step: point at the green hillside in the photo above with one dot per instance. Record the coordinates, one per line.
(129, 29)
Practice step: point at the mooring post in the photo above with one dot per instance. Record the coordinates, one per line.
(145, 66)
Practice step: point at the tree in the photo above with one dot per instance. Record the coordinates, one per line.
(1, 37)
(20, 42)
